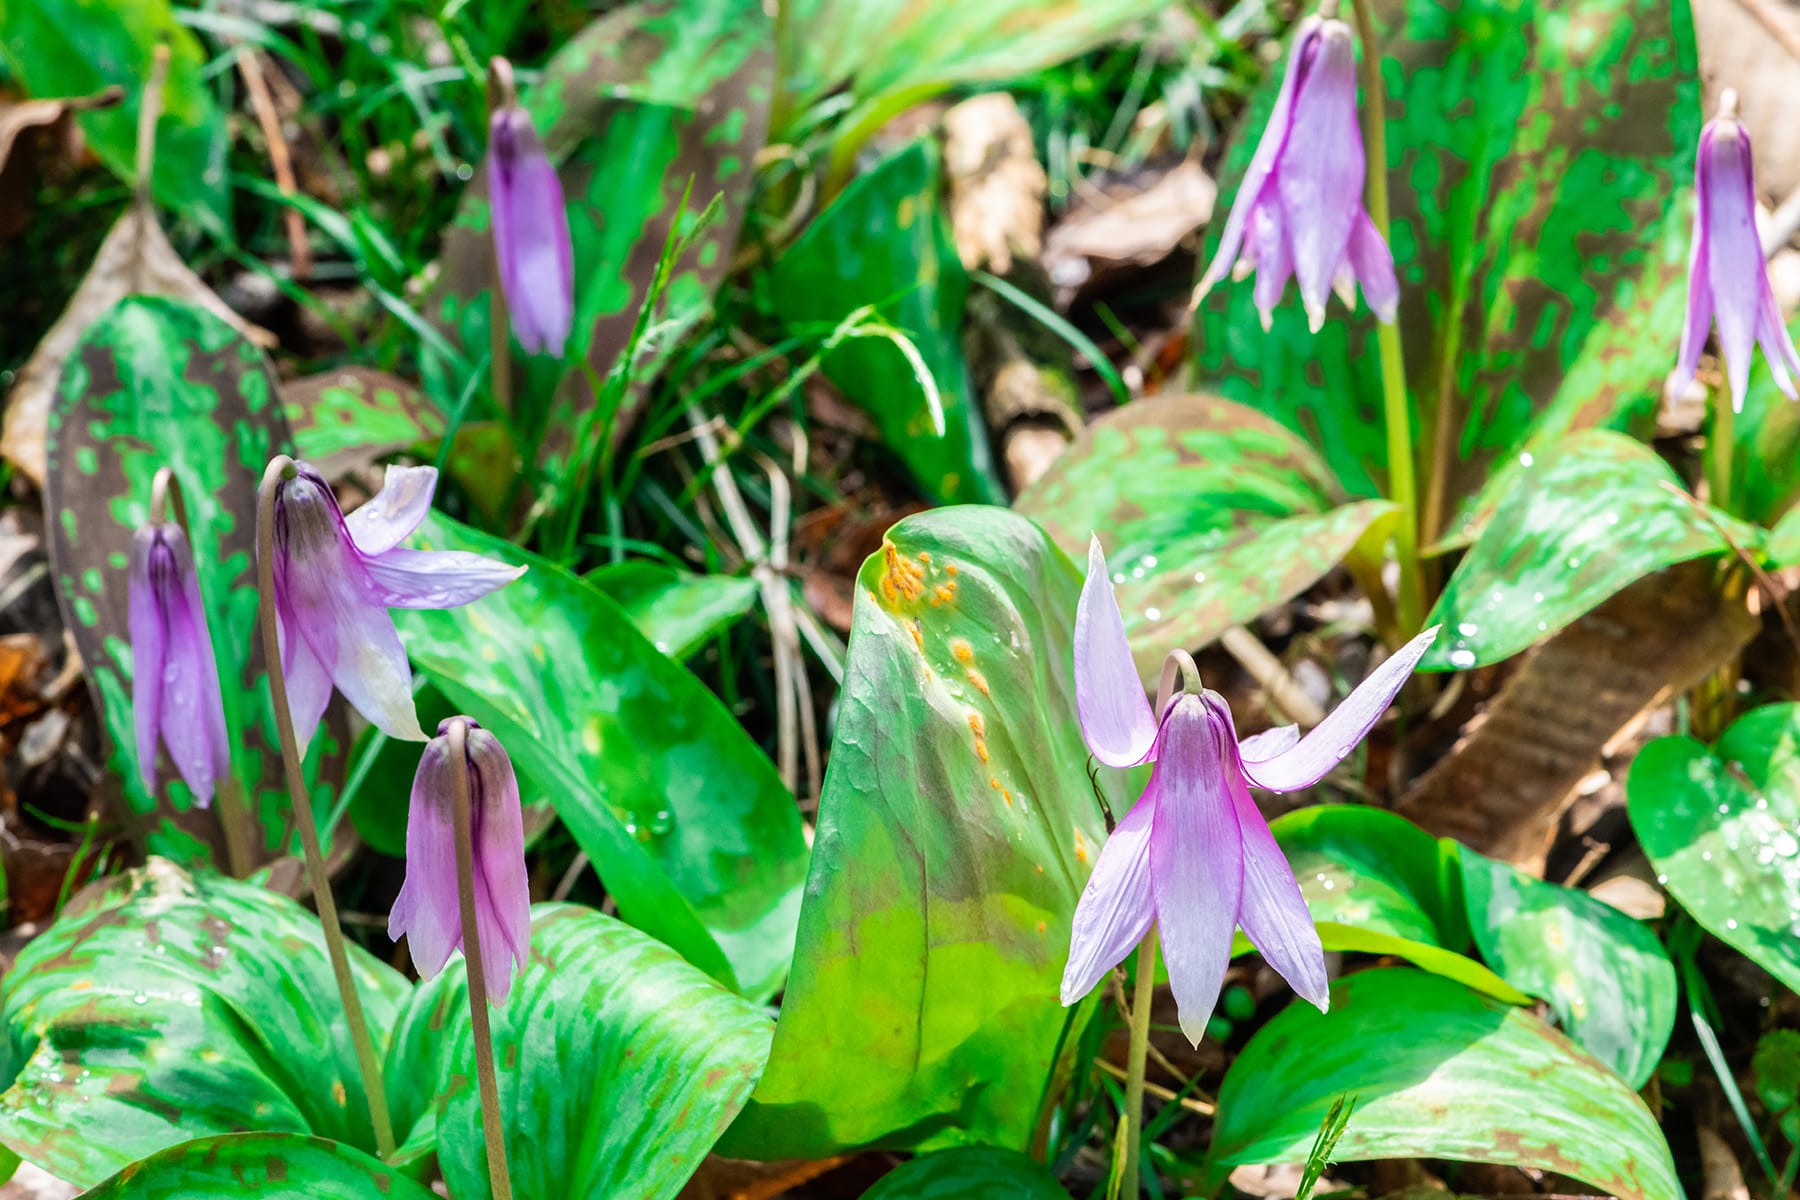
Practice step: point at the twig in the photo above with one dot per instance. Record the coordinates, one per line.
(1161, 1092)
(1285, 694)
(1778, 29)
(250, 67)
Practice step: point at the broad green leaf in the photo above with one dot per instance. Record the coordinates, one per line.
(1605, 976)
(648, 100)
(684, 817)
(620, 1064)
(1599, 512)
(677, 610)
(1765, 462)
(1722, 827)
(353, 416)
(157, 383)
(172, 1006)
(956, 830)
(969, 1173)
(1438, 1071)
(234, 1165)
(1776, 1065)
(885, 242)
(77, 47)
(1536, 157)
(1210, 513)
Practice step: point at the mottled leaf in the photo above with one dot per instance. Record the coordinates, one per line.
(956, 830)
(969, 1173)
(352, 416)
(76, 47)
(157, 383)
(265, 1164)
(1582, 522)
(676, 610)
(1438, 1071)
(1604, 975)
(1535, 157)
(1722, 827)
(172, 1006)
(684, 817)
(885, 242)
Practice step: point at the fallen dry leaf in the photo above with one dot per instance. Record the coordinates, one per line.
(17, 117)
(996, 184)
(1110, 234)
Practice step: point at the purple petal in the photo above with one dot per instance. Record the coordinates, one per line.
(1320, 176)
(308, 681)
(149, 639)
(1777, 345)
(1115, 909)
(1268, 152)
(1332, 739)
(1115, 714)
(1734, 251)
(1275, 260)
(428, 909)
(503, 891)
(1699, 306)
(435, 578)
(1196, 864)
(395, 511)
(531, 234)
(1373, 263)
(193, 711)
(1270, 742)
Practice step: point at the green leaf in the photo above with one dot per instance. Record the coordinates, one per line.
(677, 610)
(1596, 514)
(157, 383)
(957, 828)
(273, 1164)
(1209, 511)
(1606, 976)
(620, 1065)
(1776, 1064)
(885, 242)
(1721, 826)
(969, 1173)
(1765, 460)
(1536, 159)
(353, 416)
(77, 47)
(1438, 1071)
(684, 817)
(172, 1006)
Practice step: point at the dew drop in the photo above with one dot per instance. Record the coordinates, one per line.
(1153, 614)
(1462, 657)
(1731, 923)
(1468, 629)
(1199, 576)
(1525, 459)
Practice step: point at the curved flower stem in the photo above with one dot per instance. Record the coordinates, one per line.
(1398, 412)
(1134, 1061)
(463, 826)
(280, 468)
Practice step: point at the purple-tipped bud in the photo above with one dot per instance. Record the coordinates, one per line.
(335, 579)
(1727, 278)
(429, 907)
(1299, 210)
(174, 677)
(531, 233)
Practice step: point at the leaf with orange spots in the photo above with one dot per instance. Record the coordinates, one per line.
(957, 828)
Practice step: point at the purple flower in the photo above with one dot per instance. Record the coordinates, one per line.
(336, 578)
(531, 233)
(1194, 854)
(429, 907)
(1727, 278)
(174, 677)
(1299, 210)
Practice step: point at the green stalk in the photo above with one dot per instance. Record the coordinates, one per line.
(280, 469)
(1718, 453)
(1138, 1050)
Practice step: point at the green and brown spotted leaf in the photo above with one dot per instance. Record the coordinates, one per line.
(168, 1006)
(957, 829)
(233, 1165)
(353, 416)
(153, 383)
(648, 98)
(1537, 158)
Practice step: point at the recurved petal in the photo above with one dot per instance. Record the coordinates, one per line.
(436, 578)
(1320, 177)
(1196, 865)
(1777, 345)
(193, 711)
(395, 511)
(1373, 264)
(1270, 742)
(1307, 761)
(531, 234)
(503, 892)
(428, 909)
(149, 640)
(1115, 910)
(1115, 714)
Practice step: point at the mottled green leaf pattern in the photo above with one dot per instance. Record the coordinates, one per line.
(676, 610)
(353, 416)
(263, 1164)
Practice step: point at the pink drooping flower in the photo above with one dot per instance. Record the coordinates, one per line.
(174, 676)
(531, 233)
(1727, 278)
(336, 578)
(1299, 210)
(429, 907)
(1194, 854)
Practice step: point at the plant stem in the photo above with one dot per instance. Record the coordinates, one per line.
(1395, 406)
(500, 93)
(281, 468)
(1134, 1061)
(463, 826)
(1718, 453)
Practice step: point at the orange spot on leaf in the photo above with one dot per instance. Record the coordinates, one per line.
(979, 680)
(962, 650)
